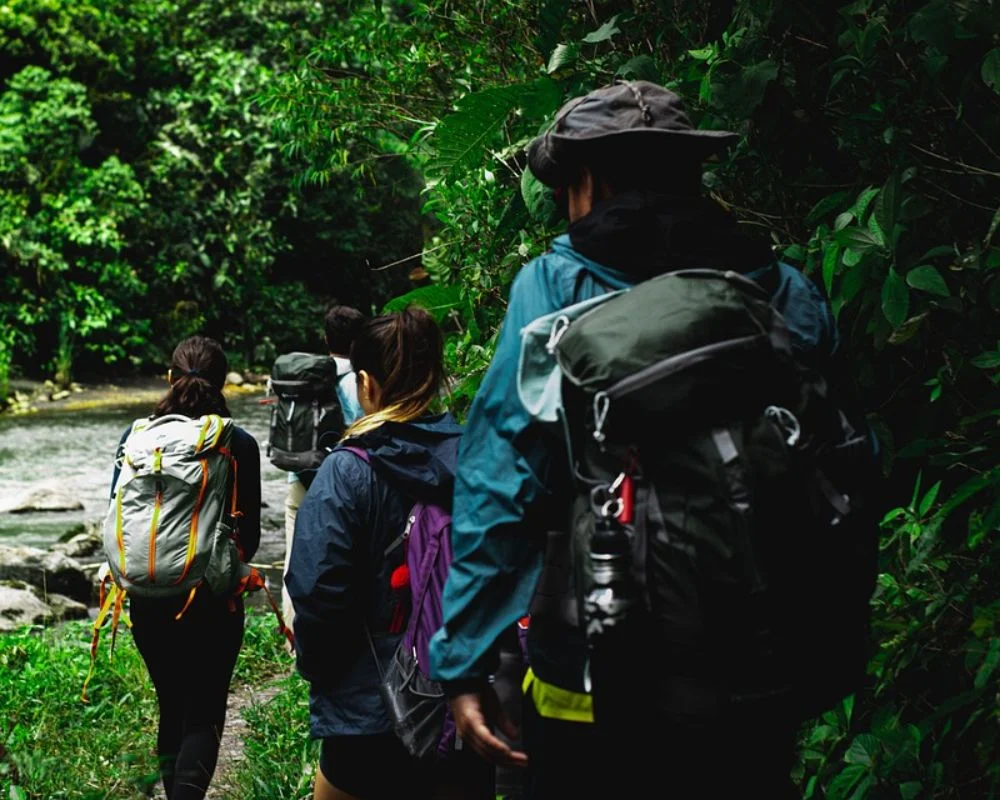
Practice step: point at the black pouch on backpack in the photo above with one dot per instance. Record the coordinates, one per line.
(416, 705)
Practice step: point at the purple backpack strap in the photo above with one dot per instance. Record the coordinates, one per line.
(359, 452)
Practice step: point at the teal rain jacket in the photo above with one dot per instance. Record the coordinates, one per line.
(509, 467)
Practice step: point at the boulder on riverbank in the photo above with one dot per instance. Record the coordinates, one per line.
(20, 607)
(42, 498)
(234, 379)
(51, 572)
(23, 604)
(81, 541)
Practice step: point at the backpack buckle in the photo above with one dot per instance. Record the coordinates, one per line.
(602, 404)
(786, 422)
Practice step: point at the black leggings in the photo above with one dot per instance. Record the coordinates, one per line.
(190, 661)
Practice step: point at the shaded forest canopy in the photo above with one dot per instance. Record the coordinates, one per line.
(169, 167)
(145, 195)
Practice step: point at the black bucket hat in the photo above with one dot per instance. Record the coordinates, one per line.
(630, 114)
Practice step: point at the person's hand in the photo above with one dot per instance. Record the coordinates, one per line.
(475, 713)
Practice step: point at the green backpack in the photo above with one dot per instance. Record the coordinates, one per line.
(722, 548)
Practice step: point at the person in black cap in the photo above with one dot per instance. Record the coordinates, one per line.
(626, 163)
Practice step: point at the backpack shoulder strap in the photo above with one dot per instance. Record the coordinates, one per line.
(358, 451)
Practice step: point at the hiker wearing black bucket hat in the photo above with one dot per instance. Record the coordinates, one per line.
(647, 120)
(627, 162)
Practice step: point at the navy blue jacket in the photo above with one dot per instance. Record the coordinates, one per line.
(338, 573)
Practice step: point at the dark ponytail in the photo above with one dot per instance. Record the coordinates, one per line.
(404, 353)
(198, 373)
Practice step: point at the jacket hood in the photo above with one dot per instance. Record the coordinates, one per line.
(418, 457)
(644, 234)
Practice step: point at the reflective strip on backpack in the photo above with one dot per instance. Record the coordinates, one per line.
(193, 538)
(119, 534)
(152, 534)
(554, 702)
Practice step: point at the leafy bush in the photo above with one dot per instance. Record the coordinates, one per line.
(868, 159)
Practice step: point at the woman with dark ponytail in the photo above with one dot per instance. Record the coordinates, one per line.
(190, 644)
(344, 574)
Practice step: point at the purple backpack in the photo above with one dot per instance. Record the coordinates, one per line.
(427, 539)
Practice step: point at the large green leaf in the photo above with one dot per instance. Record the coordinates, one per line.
(640, 68)
(829, 203)
(989, 665)
(857, 239)
(538, 198)
(991, 69)
(841, 786)
(436, 299)
(927, 279)
(831, 258)
(910, 790)
(887, 205)
(604, 33)
(562, 57)
(740, 95)
(461, 139)
(515, 217)
(895, 299)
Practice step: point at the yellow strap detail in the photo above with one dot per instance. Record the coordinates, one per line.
(554, 702)
(119, 533)
(157, 460)
(102, 615)
(157, 505)
(203, 434)
(187, 603)
(218, 434)
(193, 536)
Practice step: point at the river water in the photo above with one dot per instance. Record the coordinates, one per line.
(75, 450)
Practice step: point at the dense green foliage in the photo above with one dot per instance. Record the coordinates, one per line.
(53, 746)
(869, 159)
(201, 161)
(144, 195)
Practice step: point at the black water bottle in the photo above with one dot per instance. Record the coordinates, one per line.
(610, 609)
(610, 595)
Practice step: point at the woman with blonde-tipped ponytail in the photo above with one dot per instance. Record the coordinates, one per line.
(345, 575)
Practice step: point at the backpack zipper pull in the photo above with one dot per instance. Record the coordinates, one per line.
(402, 537)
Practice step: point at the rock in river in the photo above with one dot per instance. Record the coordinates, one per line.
(83, 541)
(43, 498)
(50, 572)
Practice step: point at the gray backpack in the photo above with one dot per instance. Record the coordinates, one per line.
(170, 527)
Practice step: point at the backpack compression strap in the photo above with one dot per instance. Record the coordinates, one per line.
(111, 601)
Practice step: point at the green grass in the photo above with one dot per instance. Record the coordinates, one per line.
(280, 758)
(52, 746)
